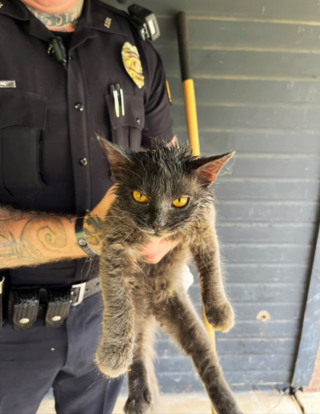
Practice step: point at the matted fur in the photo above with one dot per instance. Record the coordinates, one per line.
(136, 294)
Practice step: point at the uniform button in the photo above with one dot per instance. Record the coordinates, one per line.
(83, 161)
(79, 107)
(56, 318)
(138, 121)
(23, 321)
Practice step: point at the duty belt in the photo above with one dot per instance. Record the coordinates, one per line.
(24, 303)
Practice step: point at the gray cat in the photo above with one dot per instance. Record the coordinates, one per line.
(161, 193)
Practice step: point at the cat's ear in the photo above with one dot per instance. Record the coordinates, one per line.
(207, 169)
(117, 156)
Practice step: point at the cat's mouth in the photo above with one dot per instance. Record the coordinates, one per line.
(158, 233)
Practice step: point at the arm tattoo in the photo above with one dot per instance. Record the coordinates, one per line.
(64, 21)
(50, 237)
(93, 230)
(8, 245)
(42, 238)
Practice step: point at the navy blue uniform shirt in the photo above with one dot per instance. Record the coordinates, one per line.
(50, 159)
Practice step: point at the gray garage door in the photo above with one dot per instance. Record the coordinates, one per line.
(256, 66)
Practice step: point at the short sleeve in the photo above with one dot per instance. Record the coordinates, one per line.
(158, 120)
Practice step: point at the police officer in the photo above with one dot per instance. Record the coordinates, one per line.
(68, 70)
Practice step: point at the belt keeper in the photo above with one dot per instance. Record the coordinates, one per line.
(59, 302)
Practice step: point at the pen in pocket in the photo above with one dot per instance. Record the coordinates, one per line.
(118, 98)
(114, 92)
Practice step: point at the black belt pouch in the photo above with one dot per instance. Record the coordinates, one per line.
(23, 307)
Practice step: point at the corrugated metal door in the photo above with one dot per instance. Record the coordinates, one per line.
(256, 66)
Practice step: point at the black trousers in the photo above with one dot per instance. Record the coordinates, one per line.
(33, 361)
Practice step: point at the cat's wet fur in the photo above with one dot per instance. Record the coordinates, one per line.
(137, 295)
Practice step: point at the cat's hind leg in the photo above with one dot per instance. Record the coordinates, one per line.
(178, 317)
(141, 378)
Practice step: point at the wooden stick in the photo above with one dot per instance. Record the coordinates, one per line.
(191, 113)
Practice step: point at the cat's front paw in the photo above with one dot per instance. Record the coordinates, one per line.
(113, 360)
(138, 402)
(220, 317)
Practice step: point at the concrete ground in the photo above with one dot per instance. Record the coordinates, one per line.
(253, 402)
(309, 401)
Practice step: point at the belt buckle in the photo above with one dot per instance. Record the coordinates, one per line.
(1, 285)
(82, 288)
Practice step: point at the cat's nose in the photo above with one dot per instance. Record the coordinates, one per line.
(157, 221)
(156, 226)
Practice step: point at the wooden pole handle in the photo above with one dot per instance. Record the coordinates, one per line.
(191, 114)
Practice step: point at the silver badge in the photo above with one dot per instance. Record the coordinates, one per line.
(7, 84)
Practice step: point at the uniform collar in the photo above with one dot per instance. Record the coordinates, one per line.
(15, 9)
(19, 11)
(96, 15)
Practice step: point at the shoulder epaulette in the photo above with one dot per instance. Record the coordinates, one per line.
(143, 20)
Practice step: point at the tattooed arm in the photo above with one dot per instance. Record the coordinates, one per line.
(34, 238)
(28, 239)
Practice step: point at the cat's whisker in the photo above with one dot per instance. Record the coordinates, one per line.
(109, 236)
(95, 382)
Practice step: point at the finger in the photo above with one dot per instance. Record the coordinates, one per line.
(155, 260)
(105, 204)
(154, 252)
(110, 195)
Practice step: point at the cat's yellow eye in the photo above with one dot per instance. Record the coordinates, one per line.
(180, 202)
(139, 198)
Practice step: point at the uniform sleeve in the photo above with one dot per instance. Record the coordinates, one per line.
(158, 120)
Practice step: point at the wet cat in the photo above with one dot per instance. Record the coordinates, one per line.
(162, 192)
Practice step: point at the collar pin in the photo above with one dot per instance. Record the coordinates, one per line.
(1, 5)
(107, 22)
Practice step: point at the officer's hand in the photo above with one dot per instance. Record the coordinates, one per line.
(152, 253)
(102, 208)
(94, 220)
(156, 250)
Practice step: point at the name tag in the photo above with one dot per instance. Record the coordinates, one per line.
(7, 84)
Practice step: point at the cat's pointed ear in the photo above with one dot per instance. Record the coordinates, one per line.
(207, 169)
(117, 156)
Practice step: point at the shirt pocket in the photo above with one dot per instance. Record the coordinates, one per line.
(22, 119)
(126, 129)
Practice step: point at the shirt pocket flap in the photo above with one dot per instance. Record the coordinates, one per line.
(134, 112)
(22, 108)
